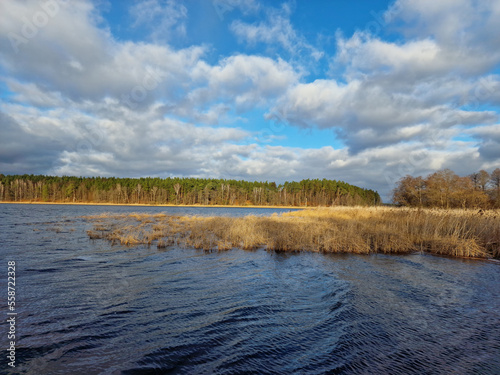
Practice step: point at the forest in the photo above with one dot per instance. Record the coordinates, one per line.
(182, 191)
(445, 189)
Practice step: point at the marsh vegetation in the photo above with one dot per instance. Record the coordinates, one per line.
(361, 230)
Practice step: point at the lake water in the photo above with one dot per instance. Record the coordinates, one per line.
(86, 307)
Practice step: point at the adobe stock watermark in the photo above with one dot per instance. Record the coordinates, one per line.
(414, 160)
(116, 283)
(31, 26)
(276, 121)
(139, 92)
(381, 20)
(481, 94)
(222, 7)
(276, 124)
(408, 166)
(93, 137)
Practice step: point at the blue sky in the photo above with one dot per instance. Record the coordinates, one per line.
(361, 91)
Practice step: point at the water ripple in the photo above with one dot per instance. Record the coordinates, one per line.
(90, 308)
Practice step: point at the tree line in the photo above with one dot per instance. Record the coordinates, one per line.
(182, 191)
(445, 189)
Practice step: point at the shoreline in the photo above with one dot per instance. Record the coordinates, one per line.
(158, 205)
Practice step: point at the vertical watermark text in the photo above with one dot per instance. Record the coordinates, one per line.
(11, 313)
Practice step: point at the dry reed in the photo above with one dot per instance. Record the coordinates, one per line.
(362, 230)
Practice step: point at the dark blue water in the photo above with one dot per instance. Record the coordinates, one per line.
(86, 307)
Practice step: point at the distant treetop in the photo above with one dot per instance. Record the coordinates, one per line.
(155, 190)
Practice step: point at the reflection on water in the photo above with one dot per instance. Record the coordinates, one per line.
(86, 307)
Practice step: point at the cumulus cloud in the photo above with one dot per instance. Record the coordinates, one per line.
(244, 80)
(402, 91)
(363, 54)
(138, 74)
(367, 114)
(52, 47)
(467, 26)
(71, 55)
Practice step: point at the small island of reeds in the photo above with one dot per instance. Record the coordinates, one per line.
(360, 230)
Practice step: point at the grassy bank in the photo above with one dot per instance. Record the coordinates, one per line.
(362, 230)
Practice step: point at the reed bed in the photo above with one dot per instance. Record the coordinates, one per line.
(361, 230)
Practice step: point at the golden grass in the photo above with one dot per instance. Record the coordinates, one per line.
(362, 230)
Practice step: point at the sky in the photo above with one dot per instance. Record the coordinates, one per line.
(360, 91)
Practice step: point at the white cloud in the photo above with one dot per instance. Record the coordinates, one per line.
(413, 60)
(97, 66)
(367, 114)
(58, 48)
(164, 18)
(72, 55)
(488, 138)
(404, 91)
(277, 30)
(32, 94)
(467, 29)
(251, 80)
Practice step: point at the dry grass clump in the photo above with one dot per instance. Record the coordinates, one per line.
(461, 233)
(362, 230)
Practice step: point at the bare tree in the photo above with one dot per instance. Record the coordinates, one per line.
(483, 179)
(495, 181)
(474, 177)
(410, 191)
(177, 188)
(495, 178)
(154, 191)
(440, 186)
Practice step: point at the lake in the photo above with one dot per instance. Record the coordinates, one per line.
(87, 307)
